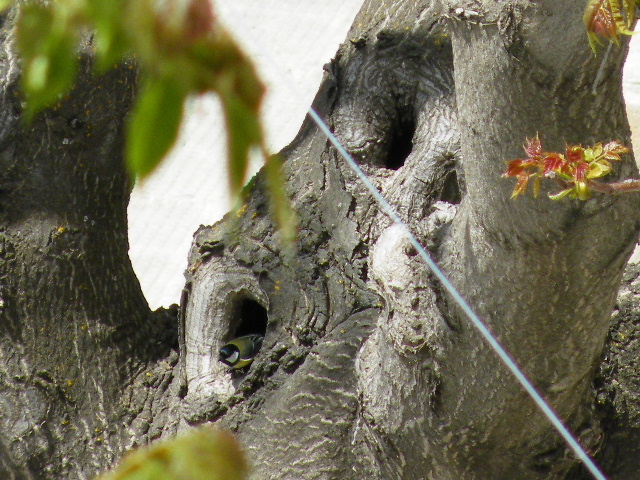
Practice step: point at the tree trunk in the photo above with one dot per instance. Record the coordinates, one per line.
(368, 369)
(76, 333)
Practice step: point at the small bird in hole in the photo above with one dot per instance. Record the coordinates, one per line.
(241, 351)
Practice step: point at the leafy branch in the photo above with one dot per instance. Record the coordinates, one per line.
(576, 171)
(181, 50)
(608, 19)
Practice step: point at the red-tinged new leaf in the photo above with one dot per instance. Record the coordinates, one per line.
(553, 163)
(575, 169)
(605, 19)
(580, 171)
(613, 150)
(516, 167)
(533, 147)
(521, 185)
(575, 154)
(599, 19)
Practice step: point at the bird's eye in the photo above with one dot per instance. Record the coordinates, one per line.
(229, 354)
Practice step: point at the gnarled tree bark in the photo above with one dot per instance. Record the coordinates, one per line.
(424, 395)
(368, 369)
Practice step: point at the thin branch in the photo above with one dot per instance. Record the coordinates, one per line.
(630, 185)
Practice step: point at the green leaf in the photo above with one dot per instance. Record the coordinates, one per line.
(154, 124)
(202, 454)
(111, 40)
(599, 169)
(582, 191)
(279, 202)
(4, 4)
(243, 133)
(47, 46)
(561, 195)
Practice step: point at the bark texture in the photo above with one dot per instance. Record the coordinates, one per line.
(368, 370)
(424, 396)
(76, 334)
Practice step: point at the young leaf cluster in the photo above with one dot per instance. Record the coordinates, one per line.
(203, 453)
(575, 171)
(181, 50)
(609, 19)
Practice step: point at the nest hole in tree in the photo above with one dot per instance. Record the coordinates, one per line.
(401, 143)
(249, 317)
(451, 189)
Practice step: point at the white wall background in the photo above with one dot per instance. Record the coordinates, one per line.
(289, 41)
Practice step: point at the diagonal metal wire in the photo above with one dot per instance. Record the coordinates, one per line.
(475, 320)
(439, 274)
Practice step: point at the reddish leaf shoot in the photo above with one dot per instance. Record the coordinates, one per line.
(575, 171)
(609, 19)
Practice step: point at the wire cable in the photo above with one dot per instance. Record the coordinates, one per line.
(475, 320)
(439, 274)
